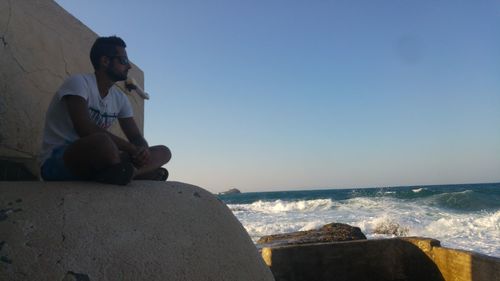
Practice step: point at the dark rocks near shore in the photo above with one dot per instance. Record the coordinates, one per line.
(332, 232)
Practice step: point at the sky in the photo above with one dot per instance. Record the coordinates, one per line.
(265, 95)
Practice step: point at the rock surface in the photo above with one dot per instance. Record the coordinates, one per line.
(395, 259)
(145, 231)
(14, 171)
(328, 233)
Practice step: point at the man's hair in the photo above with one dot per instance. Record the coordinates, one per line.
(105, 46)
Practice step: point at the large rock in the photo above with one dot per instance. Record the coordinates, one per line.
(328, 233)
(40, 45)
(145, 231)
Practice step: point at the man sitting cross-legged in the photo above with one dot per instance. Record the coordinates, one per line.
(76, 143)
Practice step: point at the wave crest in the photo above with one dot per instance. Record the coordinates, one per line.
(281, 206)
(467, 200)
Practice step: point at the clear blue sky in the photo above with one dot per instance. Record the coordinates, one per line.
(280, 94)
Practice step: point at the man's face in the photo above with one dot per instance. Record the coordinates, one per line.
(118, 66)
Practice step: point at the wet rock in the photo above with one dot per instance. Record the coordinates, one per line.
(328, 233)
(391, 227)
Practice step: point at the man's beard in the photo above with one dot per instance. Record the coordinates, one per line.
(116, 76)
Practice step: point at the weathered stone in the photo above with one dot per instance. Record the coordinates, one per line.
(40, 45)
(396, 259)
(145, 231)
(327, 233)
(13, 171)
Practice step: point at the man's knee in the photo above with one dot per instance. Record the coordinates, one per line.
(95, 151)
(101, 147)
(103, 144)
(164, 153)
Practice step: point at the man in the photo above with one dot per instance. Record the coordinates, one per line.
(76, 143)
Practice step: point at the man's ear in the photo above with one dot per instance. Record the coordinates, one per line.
(104, 61)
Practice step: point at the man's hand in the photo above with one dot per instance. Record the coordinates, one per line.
(141, 156)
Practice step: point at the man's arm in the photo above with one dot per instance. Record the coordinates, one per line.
(78, 112)
(130, 129)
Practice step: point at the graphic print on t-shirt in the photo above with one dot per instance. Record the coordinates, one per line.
(103, 120)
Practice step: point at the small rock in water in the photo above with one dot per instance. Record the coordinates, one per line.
(391, 228)
(231, 191)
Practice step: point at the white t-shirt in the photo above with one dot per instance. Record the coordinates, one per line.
(59, 128)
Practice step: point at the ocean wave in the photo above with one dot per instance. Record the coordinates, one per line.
(406, 193)
(370, 204)
(262, 228)
(281, 206)
(386, 217)
(469, 232)
(464, 217)
(257, 230)
(467, 200)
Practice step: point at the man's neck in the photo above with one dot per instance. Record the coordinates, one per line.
(104, 83)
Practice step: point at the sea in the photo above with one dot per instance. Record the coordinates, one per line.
(465, 216)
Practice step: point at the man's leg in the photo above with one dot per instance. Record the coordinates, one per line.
(160, 155)
(91, 154)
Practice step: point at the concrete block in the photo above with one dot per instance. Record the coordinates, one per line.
(147, 230)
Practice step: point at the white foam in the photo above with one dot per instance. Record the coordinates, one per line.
(477, 231)
(279, 206)
(312, 225)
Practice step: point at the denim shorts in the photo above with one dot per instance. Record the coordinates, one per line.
(53, 169)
